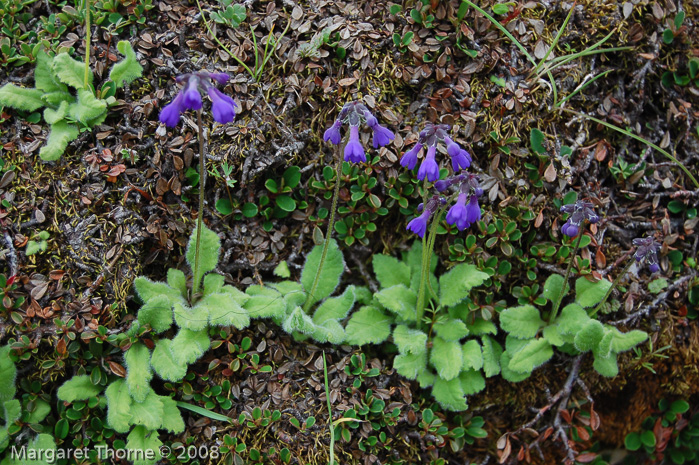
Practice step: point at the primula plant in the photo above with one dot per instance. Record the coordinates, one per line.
(70, 112)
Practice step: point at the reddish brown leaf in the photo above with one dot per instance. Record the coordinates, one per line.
(567, 417)
(587, 457)
(117, 369)
(601, 151)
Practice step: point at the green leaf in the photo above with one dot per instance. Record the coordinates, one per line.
(534, 354)
(292, 176)
(604, 348)
(572, 318)
(163, 362)
(172, 418)
(54, 116)
(472, 381)
(330, 276)
(589, 336)
(480, 327)
(70, 71)
(147, 290)
(148, 413)
(189, 345)
(507, 373)
(142, 441)
(41, 411)
(21, 98)
(414, 259)
(138, 373)
(450, 329)
(329, 331)
(299, 321)
(204, 412)
(410, 365)
(536, 138)
(552, 334)
(472, 355)
(588, 293)
(286, 203)
(446, 357)
(632, 441)
(657, 285)
(501, 8)
(266, 303)
(88, 109)
(606, 366)
(223, 311)
(679, 19)
(60, 136)
(79, 387)
(128, 69)
(282, 270)
(449, 394)
(368, 325)
(491, 356)
(118, 406)
(409, 341)
(390, 271)
(335, 308)
(8, 372)
(626, 341)
(157, 312)
(11, 411)
(43, 75)
(177, 280)
(553, 287)
(521, 322)
(455, 285)
(249, 210)
(209, 248)
(187, 317)
(399, 300)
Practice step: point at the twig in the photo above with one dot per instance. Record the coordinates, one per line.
(11, 253)
(660, 298)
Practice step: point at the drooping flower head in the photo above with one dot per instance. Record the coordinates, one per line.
(430, 136)
(647, 250)
(579, 211)
(189, 98)
(418, 225)
(354, 114)
(463, 214)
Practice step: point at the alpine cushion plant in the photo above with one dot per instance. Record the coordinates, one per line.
(430, 136)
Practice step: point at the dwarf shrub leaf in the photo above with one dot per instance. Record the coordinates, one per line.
(409, 365)
(622, 342)
(70, 71)
(472, 355)
(369, 325)
(400, 300)
(521, 322)
(60, 136)
(128, 69)
(449, 394)
(589, 336)
(472, 381)
(118, 406)
(209, 248)
(450, 329)
(8, 371)
(553, 287)
(172, 418)
(189, 345)
(41, 411)
(330, 276)
(535, 353)
(409, 341)
(143, 443)
(78, 388)
(491, 356)
(455, 285)
(335, 308)
(446, 357)
(588, 293)
(163, 362)
(21, 98)
(390, 271)
(148, 413)
(138, 374)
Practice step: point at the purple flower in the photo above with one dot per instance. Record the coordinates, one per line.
(354, 152)
(647, 250)
(461, 160)
(189, 98)
(429, 167)
(356, 113)
(458, 213)
(409, 158)
(473, 210)
(580, 211)
(332, 134)
(418, 225)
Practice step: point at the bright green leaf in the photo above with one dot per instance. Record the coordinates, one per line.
(449, 394)
(368, 325)
(409, 341)
(141, 440)
(79, 387)
(534, 354)
(118, 406)
(589, 336)
(21, 98)
(128, 69)
(588, 293)
(455, 285)
(522, 322)
(446, 357)
(330, 275)
(399, 300)
(491, 356)
(390, 271)
(472, 355)
(410, 365)
(138, 372)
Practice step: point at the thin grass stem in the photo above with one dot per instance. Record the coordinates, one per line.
(200, 214)
(88, 39)
(582, 87)
(555, 40)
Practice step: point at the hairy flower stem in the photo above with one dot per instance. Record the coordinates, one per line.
(554, 313)
(200, 215)
(328, 234)
(87, 41)
(612, 287)
(427, 249)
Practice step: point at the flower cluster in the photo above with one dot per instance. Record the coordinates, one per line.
(580, 211)
(647, 250)
(462, 214)
(356, 113)
(189, 98)
(430, 136)
(418, 225)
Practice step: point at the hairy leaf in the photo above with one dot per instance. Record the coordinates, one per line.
(399, 300)
(507, 373)
(413, 258)
(299, 321)
(449, 394)
(128, 69)
(588, 293)
(472, 355)
(172, 418)
(553, 287)
(157, 312)
(163, 362)
(79, 387)
(178, 281)
(480, 327)
(148, 289)
(70, 71)
(187, 317)
(552, 334)
(8, 372)
(189, 345)
(335, 308)
(329, 331)
(223, 311)
(446, 357)
(60, 136)
(88, 109)
(450, 329)
(54, 116)
(455, 285)
(148, 413)
(330, 275)
(409, 365)
(209, 248)
(390, 271)
(534, 354)
(43, 75)
(491, 356)
(138, 372)
(472, 381)
(11, 411)
(606, 366)
(626, 341)
(140, 440)
(410, 341)
(368, 325)
(425, 377)
(572, 318)
(521, 322)
(20, 98)
(265, 302)
(604, 348)
(118, 406)
(589, 336)
(213, 284)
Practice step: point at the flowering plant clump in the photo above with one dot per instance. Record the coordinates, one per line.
(418, 225)
(580, 211)
(648, 251)
(356, 113)
(189, 98)
(430, 136)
